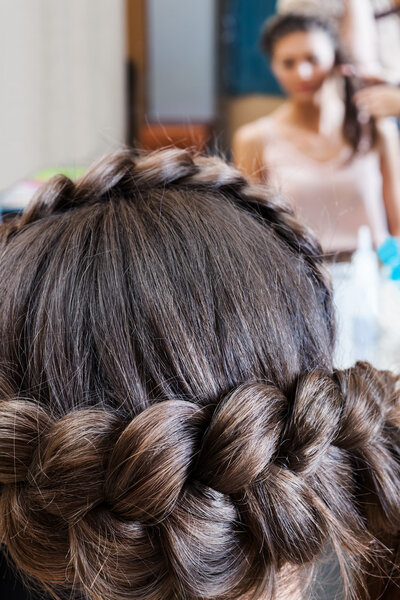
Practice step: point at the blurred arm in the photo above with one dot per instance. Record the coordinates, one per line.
(389, 150)
(358, 32)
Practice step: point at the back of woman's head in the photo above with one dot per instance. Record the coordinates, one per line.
(170, 425)
(359, 130)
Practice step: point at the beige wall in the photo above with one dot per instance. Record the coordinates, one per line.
(61, 81)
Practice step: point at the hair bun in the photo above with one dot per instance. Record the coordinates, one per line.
(22, 424)
(366, 431)
(67, 477)
(249, 481)
(152, 459)
(312, 423)
(242, 438)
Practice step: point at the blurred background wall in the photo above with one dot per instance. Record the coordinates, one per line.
(80, 77)
(196, 69)
(182, 60)
(62, 83)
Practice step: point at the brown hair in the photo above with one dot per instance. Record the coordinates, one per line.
(361, 134)
(170, 423)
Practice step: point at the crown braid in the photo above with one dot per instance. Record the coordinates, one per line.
(273, 491)
(128, 174)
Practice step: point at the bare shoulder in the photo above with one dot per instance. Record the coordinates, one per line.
(249, 144)
(248, 148)
(255, 133)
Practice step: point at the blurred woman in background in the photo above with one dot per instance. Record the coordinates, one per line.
(337, 166)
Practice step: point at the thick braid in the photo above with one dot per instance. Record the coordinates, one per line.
(124, 173)
(153, 504)
(370, 432)
(128, 174)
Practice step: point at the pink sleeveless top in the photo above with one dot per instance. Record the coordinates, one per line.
(334, 197)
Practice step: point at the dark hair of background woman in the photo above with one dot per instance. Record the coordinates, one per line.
(360, 133)
(170, 423)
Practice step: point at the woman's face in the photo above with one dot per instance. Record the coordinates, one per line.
(302, 61)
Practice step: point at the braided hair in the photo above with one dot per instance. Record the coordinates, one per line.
(171, 426)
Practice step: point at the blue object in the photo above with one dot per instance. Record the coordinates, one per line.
(396, 273)
(389, 255)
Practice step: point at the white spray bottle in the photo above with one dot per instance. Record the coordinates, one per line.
(365, 281)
